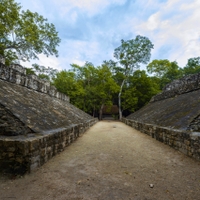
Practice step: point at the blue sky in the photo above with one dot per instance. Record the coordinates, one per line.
(90, 30)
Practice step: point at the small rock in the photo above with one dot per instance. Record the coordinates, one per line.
(79, 182)
(151, 185)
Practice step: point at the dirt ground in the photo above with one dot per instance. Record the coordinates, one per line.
(110, 161)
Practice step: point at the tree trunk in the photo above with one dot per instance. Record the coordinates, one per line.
(101, 112)
(119, 99)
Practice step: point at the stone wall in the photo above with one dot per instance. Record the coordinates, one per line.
(36, 121)
(184, 85)
(184, 141)
(173, 116)
(10, 125)
(17, 74)
(21, 154)
(180, 112)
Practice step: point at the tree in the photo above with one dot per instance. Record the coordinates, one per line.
(158, 67)
(98, 85)
(142, 88)
(86, 76)
(105, 87)
(165, 71)
(65, 82)
(131, 54)
(192, 67)
(24, 34)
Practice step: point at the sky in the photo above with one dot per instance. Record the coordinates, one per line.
(90, 30)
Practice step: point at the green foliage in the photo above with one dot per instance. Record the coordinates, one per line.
(24, 34)
(46, 73)
(192, 67)
(165, 71)
(66, 83)
(44, 77)
(30, 71)
(138, 91)
(131, 54)
(89, 87)
(158, 67)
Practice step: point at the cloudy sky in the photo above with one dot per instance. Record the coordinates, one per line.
(90, 30)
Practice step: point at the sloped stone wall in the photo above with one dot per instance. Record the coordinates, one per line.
(10, 125)
(175, 112)
(173, 116)
(36, 121)
(177, 87)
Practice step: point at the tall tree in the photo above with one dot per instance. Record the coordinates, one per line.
(24, 34)
(131, 54)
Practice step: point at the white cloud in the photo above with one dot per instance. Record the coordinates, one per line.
(153, 22)
(175, 25)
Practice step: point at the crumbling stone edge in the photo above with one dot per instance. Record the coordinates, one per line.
(24, 154)
(17, 74)
(184, 141)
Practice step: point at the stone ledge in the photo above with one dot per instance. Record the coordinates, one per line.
(184, 85)
(184, 141)
(22, 154)
(17, 74)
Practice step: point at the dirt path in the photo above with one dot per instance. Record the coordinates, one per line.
(110, 161)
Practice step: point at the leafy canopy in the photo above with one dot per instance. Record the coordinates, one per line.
(165, 71)
(192, 67)
(24, 34)
(133, 52)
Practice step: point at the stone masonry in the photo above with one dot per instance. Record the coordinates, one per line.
(36, 121)
(173, 116)
(184, 141)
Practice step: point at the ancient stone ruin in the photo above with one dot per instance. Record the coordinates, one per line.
(173, 116)
(36, 121)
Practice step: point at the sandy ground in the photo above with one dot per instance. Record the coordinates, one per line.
(110, 161)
